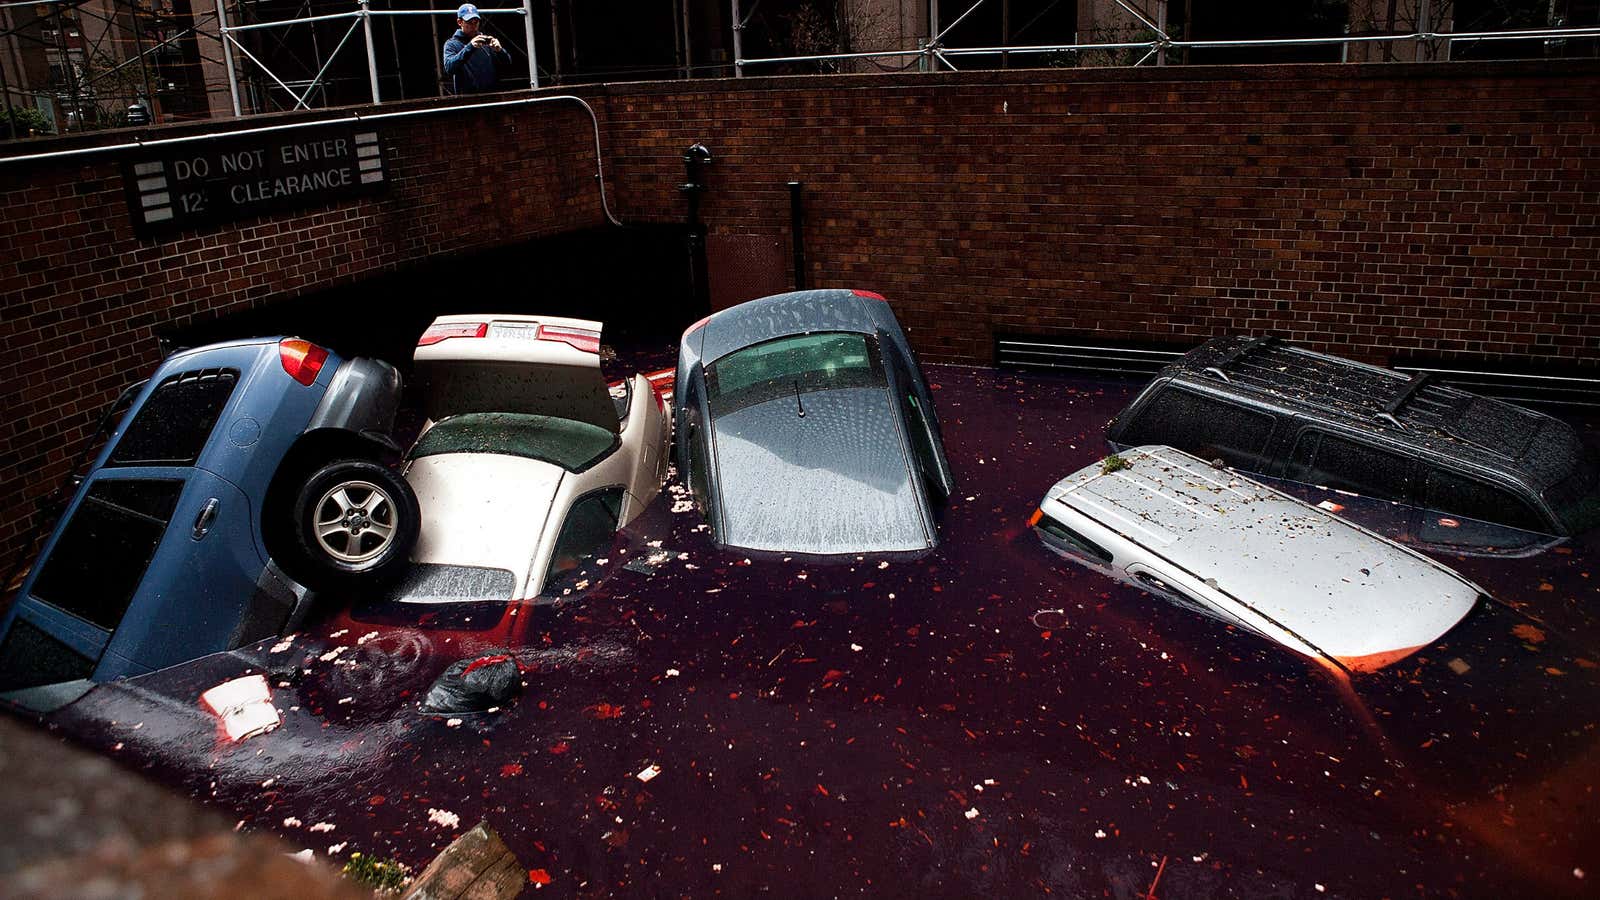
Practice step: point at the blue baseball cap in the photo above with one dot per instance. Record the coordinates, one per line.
(467, 11)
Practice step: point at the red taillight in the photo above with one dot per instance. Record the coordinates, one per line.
(576, 338)
(440, 331)
(1034, 519)
(871, 295)
(696, 326)
(301, 359)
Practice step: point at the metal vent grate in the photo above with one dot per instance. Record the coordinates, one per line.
(1571, 390)
(1085, 356)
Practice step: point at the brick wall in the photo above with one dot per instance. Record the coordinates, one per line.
(1433, 210)
(1430, 210)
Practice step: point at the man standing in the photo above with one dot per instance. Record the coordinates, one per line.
(470, 57)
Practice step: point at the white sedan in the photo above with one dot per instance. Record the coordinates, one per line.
(526, 465)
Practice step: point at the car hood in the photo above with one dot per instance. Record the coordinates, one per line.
(835, 480)
(483, 509)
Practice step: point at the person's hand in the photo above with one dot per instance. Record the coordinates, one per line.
(480, 40)
(494, 43)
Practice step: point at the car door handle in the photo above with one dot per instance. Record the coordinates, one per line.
(202, 522)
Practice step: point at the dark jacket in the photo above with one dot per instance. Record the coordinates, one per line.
(471, 69)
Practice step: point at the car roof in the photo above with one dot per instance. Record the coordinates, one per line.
(781, 315)
(1322, 577)
(1409, 412)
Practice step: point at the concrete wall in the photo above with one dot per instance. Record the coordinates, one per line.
(1431, 210)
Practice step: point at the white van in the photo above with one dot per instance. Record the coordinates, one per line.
(1214, 541)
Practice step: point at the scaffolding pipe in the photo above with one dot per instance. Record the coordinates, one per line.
(1145, 20)
(144, 71)
(1161, 29)
(533, 53)
(290, 23)
(227, 56)
(317, 79)
(299, 100)
(372, 51)
(1157, 45)
(738, 41)
(555, 44)
(688, 45)
(940, 36)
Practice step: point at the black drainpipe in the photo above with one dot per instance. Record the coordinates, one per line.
(797, 231)
(695, 160)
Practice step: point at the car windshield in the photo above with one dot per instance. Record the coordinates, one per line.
(793, 365)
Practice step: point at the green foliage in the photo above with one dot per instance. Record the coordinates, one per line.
(24, 121)
(384, 876)
(1114, 463)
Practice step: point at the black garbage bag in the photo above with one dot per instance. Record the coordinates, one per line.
(475, 685)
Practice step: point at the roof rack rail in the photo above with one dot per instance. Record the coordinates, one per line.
(1391, 410)
(1240, 352)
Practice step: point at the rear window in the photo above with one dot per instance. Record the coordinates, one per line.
(172, 426)
(1500, 428)
(1576, 499)
(1474, 499)
(793, 365)
(568, 443)
(1203, 426)
(101, 557)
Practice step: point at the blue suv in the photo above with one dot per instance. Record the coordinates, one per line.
(241, 472)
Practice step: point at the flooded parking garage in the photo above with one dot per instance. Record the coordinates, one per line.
(985, 719)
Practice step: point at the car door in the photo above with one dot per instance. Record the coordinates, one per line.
(155, 558)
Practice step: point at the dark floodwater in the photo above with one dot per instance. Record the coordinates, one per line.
(987, 720)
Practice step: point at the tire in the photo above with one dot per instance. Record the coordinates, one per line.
(355, 521)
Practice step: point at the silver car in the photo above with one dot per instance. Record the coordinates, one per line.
(1213, 541)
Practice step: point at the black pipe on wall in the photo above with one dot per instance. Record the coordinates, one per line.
(797, 231)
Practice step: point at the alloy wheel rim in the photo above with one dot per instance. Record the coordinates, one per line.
(354, 521)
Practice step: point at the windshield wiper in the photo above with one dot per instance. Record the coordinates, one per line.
(797, 402)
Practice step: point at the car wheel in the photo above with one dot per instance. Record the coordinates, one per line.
(355, 520)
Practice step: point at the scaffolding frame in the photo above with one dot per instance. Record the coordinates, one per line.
(360, 17)
(932, 53)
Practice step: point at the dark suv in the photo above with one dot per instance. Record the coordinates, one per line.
(1264, 406)
(232, 460)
